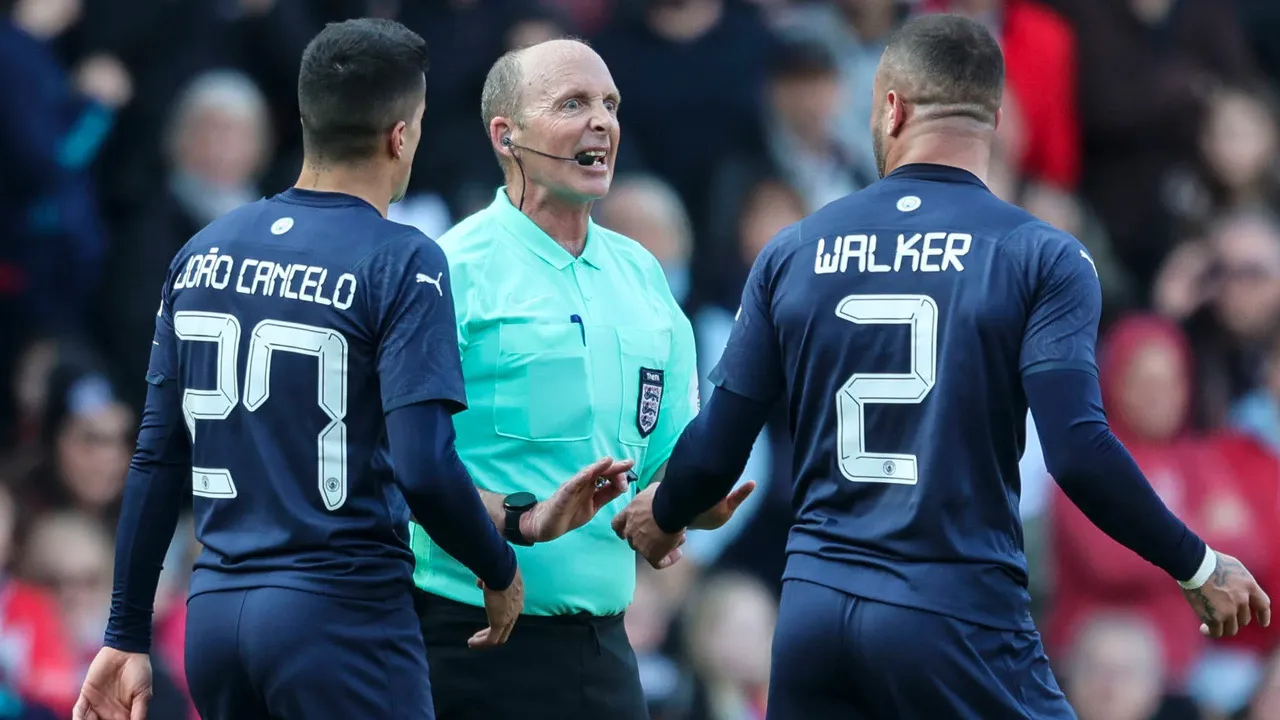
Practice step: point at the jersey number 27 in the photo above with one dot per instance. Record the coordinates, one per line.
(329, 348)
(921, 313)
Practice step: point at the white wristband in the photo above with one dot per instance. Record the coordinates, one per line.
(1207, 566)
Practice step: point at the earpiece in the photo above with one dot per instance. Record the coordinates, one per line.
(506, 140)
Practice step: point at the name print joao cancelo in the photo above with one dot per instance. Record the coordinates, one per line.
(294, 281)
(929, 252)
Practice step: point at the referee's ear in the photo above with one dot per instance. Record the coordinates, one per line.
(500, 137)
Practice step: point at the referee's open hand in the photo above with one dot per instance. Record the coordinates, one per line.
(578, 500)
(503, 607)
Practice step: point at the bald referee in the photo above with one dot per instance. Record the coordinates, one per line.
(572, 348)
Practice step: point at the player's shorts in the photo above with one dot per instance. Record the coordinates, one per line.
(279, 654)
(840, 656)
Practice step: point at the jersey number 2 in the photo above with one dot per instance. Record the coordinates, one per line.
(921, 313)
(268, 337)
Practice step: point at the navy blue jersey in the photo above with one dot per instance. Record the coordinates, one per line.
(293, 325)
(897, 324)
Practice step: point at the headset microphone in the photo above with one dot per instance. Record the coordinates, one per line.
(582, 158)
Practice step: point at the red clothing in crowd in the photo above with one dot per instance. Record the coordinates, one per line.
(1224, 487)
(1040, 69)
(34, 649)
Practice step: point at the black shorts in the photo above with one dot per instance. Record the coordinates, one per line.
(568, 667)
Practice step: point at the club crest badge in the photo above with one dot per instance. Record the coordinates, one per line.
(650, 401)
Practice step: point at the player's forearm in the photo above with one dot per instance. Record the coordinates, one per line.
(708, 459)
(1096, 472)
(153, 498)
(441, 494)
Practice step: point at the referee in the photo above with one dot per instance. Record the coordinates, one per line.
(573, 348)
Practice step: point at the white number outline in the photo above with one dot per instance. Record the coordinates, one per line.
(331, 350)
(856, 463)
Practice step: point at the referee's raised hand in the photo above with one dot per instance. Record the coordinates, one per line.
(577, 500)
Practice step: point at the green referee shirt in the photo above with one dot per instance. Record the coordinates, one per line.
(566, 360)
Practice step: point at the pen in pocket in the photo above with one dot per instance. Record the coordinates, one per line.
(577, 320)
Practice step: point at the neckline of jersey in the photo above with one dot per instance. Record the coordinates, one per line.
(936, 173)
(322, 198)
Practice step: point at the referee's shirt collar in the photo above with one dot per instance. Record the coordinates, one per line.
(542, 244)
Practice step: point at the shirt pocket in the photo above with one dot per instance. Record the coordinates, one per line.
(643, 354)
(542, 389)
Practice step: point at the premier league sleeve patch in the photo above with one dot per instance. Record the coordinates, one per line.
(650, 402)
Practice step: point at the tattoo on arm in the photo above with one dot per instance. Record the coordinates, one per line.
(1223, 573)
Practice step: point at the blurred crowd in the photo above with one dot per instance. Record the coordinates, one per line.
(1147, 128)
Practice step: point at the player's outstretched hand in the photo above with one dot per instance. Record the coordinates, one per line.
(117, 687)
(503, 607)
(578, 500)
(636, 525)
(717, 516)
(1229, 599)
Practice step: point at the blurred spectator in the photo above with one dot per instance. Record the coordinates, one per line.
(1231, 333)
(804, 101)
(691, 73)
(855, 32)
(730, 636)
(1237, 167)
(1145, 81)
(87, 437)
(1258, 413)
(1114, 672)
(217, 143)
(71, 553)
(1184, 283)
(262, 38)
(32, 382)
(1040, 70)
(648, 210)
(35, 656)
(50, 130)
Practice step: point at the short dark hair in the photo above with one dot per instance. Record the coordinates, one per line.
(949, 63)
(358, 79)
(800, 59)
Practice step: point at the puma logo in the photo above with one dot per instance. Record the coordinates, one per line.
(424, 278)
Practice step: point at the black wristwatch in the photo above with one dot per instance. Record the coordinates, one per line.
(516, 505)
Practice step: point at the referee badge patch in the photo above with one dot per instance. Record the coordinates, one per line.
(650, 401)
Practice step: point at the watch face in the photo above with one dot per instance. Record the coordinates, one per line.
(520, 501)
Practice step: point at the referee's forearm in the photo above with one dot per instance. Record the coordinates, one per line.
(493, 504)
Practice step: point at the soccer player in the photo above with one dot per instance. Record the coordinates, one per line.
(304, 346)
(907, 327)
